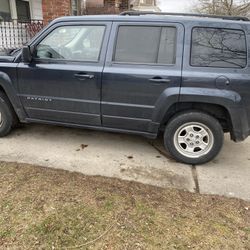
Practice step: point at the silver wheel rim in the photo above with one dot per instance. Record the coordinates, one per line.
(193, 140)
(1, 121)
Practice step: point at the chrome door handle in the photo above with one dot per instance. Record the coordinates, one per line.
(82, 76)
(160, 80)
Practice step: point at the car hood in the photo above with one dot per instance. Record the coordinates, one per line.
(7, 58)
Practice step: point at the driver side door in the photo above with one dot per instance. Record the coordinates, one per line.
(63, 81)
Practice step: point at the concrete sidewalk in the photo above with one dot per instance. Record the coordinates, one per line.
(128, 157)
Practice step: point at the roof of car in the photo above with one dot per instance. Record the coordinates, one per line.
(149, 17)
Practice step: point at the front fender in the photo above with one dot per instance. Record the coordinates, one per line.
(7, 85)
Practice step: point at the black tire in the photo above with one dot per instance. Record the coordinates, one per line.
(182, 123)
(7, 115)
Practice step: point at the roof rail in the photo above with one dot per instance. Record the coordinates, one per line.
(139, 13)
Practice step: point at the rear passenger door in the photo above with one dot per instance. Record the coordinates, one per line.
(143, 60)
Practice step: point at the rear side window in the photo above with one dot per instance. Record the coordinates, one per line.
(224, 48)
(146, 44)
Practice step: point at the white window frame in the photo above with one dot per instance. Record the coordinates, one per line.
(13, 9)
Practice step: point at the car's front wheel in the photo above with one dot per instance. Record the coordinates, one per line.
(6, 115)
(193, 137)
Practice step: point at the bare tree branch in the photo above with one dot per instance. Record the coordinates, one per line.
(224, 7)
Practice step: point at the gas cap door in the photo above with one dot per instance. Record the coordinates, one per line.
(222, 82)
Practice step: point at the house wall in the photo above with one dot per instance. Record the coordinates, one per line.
(97, 7)
(121, 4)
(94, 3)
(36, 9)
(108, 3)
(55, 8)
(52, 9)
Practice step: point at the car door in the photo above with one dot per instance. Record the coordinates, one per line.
(63, 81)
(143, 61)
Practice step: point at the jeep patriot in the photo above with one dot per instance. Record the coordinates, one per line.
(140, 73)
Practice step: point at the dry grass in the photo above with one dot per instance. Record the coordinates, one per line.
(43, 208)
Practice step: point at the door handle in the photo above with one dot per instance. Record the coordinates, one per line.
(82, 76)
(159, 80)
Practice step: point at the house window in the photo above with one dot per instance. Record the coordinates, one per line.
(5, 10)
(23, 10)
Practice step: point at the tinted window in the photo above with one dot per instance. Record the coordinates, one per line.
(144, 44)
(218, 48)
(72, 43)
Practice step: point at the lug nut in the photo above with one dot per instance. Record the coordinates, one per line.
(191, 135)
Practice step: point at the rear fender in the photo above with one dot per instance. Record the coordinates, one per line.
(228, 99)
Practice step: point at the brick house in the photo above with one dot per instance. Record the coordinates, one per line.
(48, 10)
(22, 19)
(54, 8)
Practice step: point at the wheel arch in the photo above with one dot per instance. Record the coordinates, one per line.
(225, 105)
(219, 112)
(8, 89)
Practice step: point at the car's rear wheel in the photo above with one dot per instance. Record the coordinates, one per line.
(193, 137)
(6, 115)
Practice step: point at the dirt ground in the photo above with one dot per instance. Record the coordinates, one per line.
(42, 208)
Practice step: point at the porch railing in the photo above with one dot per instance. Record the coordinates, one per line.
(14, 34)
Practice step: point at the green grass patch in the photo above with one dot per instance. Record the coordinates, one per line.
(42, 208)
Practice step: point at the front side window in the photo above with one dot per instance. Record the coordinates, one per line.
(213, 47)
(74, 43)
(146, 44)
(5, 10)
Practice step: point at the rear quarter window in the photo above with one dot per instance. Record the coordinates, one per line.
(214, 47)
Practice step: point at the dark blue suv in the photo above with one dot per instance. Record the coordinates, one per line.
(136, 73)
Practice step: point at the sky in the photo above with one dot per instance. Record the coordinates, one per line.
(176, 5)
(180, 5)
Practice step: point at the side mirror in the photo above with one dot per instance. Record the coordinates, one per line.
(26, 54)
